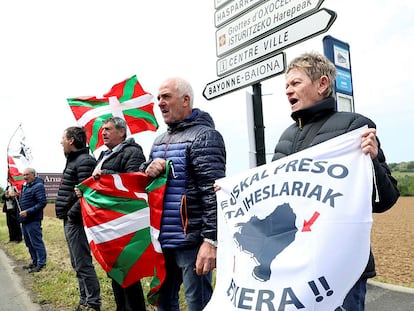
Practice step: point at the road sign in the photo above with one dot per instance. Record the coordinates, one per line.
(340, 55)
(262, 19)
(219, 3)
(299, 31)
(258, 72)
(232, 9)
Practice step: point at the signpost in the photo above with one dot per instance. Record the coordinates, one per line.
(233, 9)
(52, 182)
(269, 16)
(219, 3)
(249, 43)
(299, 31)
(258, 72)
(339, 54)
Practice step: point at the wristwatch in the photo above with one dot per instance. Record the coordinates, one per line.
(211, 242)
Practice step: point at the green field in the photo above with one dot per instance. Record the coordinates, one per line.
(399, 174)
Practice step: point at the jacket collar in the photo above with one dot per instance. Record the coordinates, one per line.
(197, 117)
(74, 154)
(322, 108)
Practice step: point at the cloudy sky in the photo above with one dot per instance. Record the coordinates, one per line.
(53, 50)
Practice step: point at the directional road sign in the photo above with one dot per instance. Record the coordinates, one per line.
(258, 72)
(295, 33)
(266, 17)
(219, 3)
(233, 9)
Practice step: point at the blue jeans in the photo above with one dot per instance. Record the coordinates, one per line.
(81, 260)
(180, 268)
(33, 238)
(355, 299)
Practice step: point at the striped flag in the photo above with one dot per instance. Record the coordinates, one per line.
(126, 100)
(122, 216)
(19, 157)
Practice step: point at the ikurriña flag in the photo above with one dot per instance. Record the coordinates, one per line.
(126, 99)
(122, 217)
(19, 157)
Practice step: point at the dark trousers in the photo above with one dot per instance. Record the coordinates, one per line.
(130, 298)
(15, 231)
(180, 265)
(355, 299)
(81, 260)
(33, 238)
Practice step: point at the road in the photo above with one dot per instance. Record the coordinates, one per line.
(13, 296)
(386, 297)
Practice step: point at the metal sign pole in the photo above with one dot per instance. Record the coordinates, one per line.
(258, 124)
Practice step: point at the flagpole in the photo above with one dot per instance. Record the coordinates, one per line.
(14, 133)
(18, 205)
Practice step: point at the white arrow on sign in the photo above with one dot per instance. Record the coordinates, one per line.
(258, 72)
(259, 21)
(231, 10)
(299, 31)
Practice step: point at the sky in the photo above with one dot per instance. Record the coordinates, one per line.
(54, 50)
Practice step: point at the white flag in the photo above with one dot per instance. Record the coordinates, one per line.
(19, 157)
(295, 234)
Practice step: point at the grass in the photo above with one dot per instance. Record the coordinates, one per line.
(57, 285)
(398, 174)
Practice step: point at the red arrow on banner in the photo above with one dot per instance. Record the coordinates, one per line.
(307, 224)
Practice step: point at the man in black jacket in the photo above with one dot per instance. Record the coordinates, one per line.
(123, 156)
(310, 82)
(79, 166)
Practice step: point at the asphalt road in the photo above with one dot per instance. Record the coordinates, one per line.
(386, 297)
(380, 297)
(13, 296)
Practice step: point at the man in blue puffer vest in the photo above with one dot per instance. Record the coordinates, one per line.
(189, 222)
(32, 202)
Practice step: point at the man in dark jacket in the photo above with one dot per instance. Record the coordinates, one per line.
(10, 207)
(32, 202)
(189, 222)
(79, 166)
(310, 82)
(123, 156)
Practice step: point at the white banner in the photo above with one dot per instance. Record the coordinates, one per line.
(19, 150)
(295, 234)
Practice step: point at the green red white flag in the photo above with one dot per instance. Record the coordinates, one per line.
(126, 100)
(122, 216)
(14, 176)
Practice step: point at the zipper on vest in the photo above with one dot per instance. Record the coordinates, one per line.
(184, 213)
(300, 125)
(166, 146)
(172, 169)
